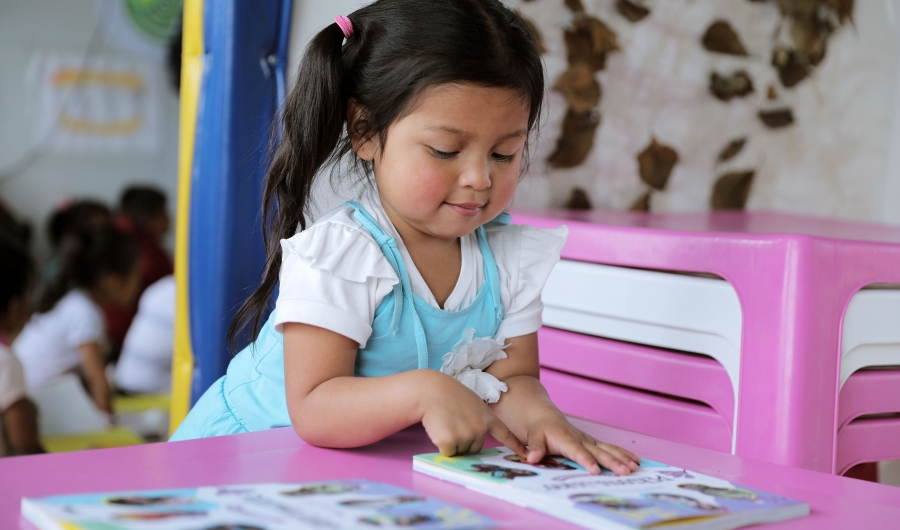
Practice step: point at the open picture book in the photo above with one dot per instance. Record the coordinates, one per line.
(655, 496)
(351, 504)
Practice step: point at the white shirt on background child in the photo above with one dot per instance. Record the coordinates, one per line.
(48, 346)
(334, 275)
(12, 388)
(145, 365)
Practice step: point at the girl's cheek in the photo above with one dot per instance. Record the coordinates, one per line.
(506, 183)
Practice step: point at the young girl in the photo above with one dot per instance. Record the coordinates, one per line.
(100, 266)
(391, 310)
(18, 415)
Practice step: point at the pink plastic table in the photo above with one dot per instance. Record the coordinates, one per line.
(794, 277)
(279, 455)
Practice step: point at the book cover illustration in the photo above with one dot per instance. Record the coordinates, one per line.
(356, 503)
(655, 494)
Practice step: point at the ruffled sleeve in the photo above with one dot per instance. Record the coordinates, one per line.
(525, 257)
(334, 276)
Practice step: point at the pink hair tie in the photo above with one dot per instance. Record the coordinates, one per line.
(345, 25)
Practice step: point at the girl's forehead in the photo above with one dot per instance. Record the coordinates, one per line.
(469, 109)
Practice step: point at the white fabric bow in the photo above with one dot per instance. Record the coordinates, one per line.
(467, 360)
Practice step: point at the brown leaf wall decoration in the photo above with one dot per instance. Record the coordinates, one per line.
(731, 190)
(578, 200)
(632, 11)
(720, 37)
(843, 8)
(732, 149)
(776, 119)
(809, 38)
(655, 164)
(588, 41)
(798, 8)
(578, 86)
(575, 6)
(725, 87)
(791, 69)
(641, 204)
(576, 139)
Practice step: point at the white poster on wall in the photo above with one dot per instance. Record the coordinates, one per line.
(100, 105)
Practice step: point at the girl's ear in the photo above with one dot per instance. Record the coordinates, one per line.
(361, 138)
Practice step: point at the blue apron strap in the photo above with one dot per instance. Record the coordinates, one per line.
(490, 268)
(403, 290)
(502, 219)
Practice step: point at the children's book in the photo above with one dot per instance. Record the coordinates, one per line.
(356, 503)
(655, 496)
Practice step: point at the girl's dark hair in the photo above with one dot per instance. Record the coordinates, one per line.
(16, 271)
(398, 49)
(75, 218)
(142, 203)
(85, 258)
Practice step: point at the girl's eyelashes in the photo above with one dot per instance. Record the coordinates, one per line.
(442, 154)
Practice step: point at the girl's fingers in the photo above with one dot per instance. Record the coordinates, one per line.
(609, 461)
(622, 455)
(476, 445)
(537, 448)
(462, 446)
(505, 436)
(447, 449)
(577, 452)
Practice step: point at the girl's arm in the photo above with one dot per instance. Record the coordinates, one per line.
(20, 424)
(330, 407)
(93, 364)
(533, 417)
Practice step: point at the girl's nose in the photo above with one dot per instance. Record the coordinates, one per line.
(476, 176)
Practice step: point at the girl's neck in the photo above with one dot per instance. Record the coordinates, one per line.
(97, 295)
(438, 260)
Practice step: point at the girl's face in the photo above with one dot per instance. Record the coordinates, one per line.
(453, 163)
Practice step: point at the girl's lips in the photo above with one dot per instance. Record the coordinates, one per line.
(466, 209)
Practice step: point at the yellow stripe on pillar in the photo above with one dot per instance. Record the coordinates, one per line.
(191, 76)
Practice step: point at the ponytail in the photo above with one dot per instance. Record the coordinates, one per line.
(85, 257)
(311, 126)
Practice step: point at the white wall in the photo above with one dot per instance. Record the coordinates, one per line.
(30, 27)
(309, 17)
(868, 190)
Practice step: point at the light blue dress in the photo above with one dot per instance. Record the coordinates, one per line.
(407, 334)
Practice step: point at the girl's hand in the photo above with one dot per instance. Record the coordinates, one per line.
(551, 433)
(457, 420)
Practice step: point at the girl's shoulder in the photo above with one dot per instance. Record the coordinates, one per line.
(337, 243)
(76, 301)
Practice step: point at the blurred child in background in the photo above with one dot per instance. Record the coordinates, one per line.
(145, 365)
(18, 415)
(142, 213)
(98, 267)
(69, 220)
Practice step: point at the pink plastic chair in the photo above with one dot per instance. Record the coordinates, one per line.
(794, 277)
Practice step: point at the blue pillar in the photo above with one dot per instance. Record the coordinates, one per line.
(245, 53)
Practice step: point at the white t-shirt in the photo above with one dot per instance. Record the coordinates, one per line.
(146, 361)
(334, 275)
(12, 388)
(48, 346)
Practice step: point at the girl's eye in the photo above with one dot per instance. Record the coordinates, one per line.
(441, 154)
(503, 158)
